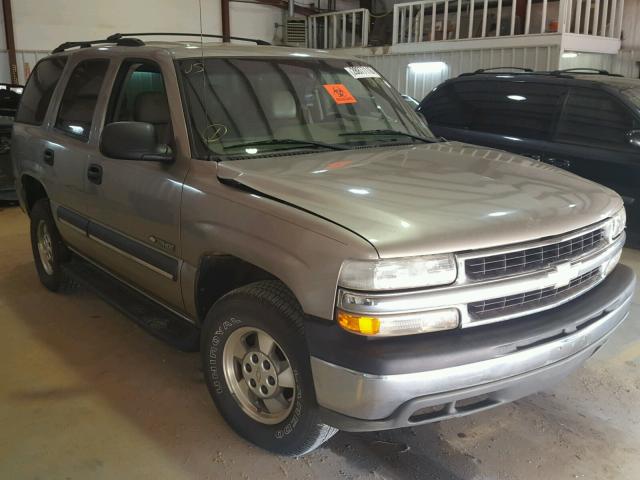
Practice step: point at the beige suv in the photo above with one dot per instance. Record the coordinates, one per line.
(286, 212)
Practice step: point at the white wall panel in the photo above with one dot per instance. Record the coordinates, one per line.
(395, 67)
(631, 25)
(41, 25)
(44, 24)
(624, 63)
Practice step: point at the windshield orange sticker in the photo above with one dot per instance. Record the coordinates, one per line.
(340, 94)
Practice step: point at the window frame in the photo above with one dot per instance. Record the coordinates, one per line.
(53, 100)
(606, 93)
(67, 79)
(119, 81)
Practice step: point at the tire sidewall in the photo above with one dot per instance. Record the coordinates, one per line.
(41, 211)
(245, 311)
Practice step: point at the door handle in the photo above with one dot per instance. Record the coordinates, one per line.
(94, 173)
(48, 156)
(559, 162)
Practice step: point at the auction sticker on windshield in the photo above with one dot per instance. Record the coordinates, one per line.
(362, 71)
(340, 94)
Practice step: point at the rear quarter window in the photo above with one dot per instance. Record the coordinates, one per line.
(39, 90)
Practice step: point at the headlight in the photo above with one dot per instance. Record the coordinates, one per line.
(616, 224)
(398, 273)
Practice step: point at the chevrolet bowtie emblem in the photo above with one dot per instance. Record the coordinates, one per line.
(562, 274)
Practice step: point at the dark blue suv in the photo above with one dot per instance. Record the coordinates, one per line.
(585, 121)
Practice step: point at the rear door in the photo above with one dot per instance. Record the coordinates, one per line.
(517, 116)
(134, 206)
(591, 140)
(30, 131)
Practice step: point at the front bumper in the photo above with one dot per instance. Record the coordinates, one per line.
(462, 372)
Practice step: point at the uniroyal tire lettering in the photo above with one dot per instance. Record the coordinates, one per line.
(216, 340)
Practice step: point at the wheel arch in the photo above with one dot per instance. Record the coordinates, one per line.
(219, 274)
(32, 191)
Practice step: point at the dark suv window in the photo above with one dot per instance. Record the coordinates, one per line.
(594, 117)
(39, 89)
(445, 108)
(80, 97)
(509, 108)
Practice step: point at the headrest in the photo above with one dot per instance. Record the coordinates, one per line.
(151, 107)
(80, 110)
(283, 105)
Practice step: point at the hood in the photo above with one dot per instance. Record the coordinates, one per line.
(432, 198)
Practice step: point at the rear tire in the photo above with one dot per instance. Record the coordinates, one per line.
(256, 366)
(49, 250)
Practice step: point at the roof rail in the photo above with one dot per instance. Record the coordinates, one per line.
(488, 70)
(589, 71)
(483, 70)
(131, 40)
(124, 42)
(119, 36)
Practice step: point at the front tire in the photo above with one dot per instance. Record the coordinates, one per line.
(49, 250)
(257, 369)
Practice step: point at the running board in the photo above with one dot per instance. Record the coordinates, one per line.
(149, 315)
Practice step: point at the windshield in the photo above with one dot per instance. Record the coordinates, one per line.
(252, 106)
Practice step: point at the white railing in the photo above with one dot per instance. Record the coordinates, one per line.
(432, 20)
(601, 18)
(345, 29)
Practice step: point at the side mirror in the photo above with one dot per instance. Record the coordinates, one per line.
(133, 141)
(634, 137)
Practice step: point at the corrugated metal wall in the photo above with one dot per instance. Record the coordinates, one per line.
(631, 25)
(624, 63)
(395, 67)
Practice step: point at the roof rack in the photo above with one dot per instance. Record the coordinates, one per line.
(131, 40)
(120, 36)
(483, 70)
(124, 42)
(588, 71)
(507, 70)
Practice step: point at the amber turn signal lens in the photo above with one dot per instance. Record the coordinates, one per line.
(358, 323)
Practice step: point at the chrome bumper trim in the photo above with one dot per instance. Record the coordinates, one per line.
(458, 296)
(371, 397)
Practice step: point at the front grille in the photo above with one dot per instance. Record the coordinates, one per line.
(531, 259)
(512, 304)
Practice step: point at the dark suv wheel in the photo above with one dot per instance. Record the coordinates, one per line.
(257, 369)
(49, 250)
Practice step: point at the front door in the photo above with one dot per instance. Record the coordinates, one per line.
(134, 206)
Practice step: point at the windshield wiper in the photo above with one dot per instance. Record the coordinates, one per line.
(287, 141)
(390, 132)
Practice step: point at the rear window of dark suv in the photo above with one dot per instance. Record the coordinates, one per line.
(39, 89)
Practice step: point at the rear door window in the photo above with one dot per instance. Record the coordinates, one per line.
(75, 115)
(594, 117)
(39, 90)
(510, 108)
